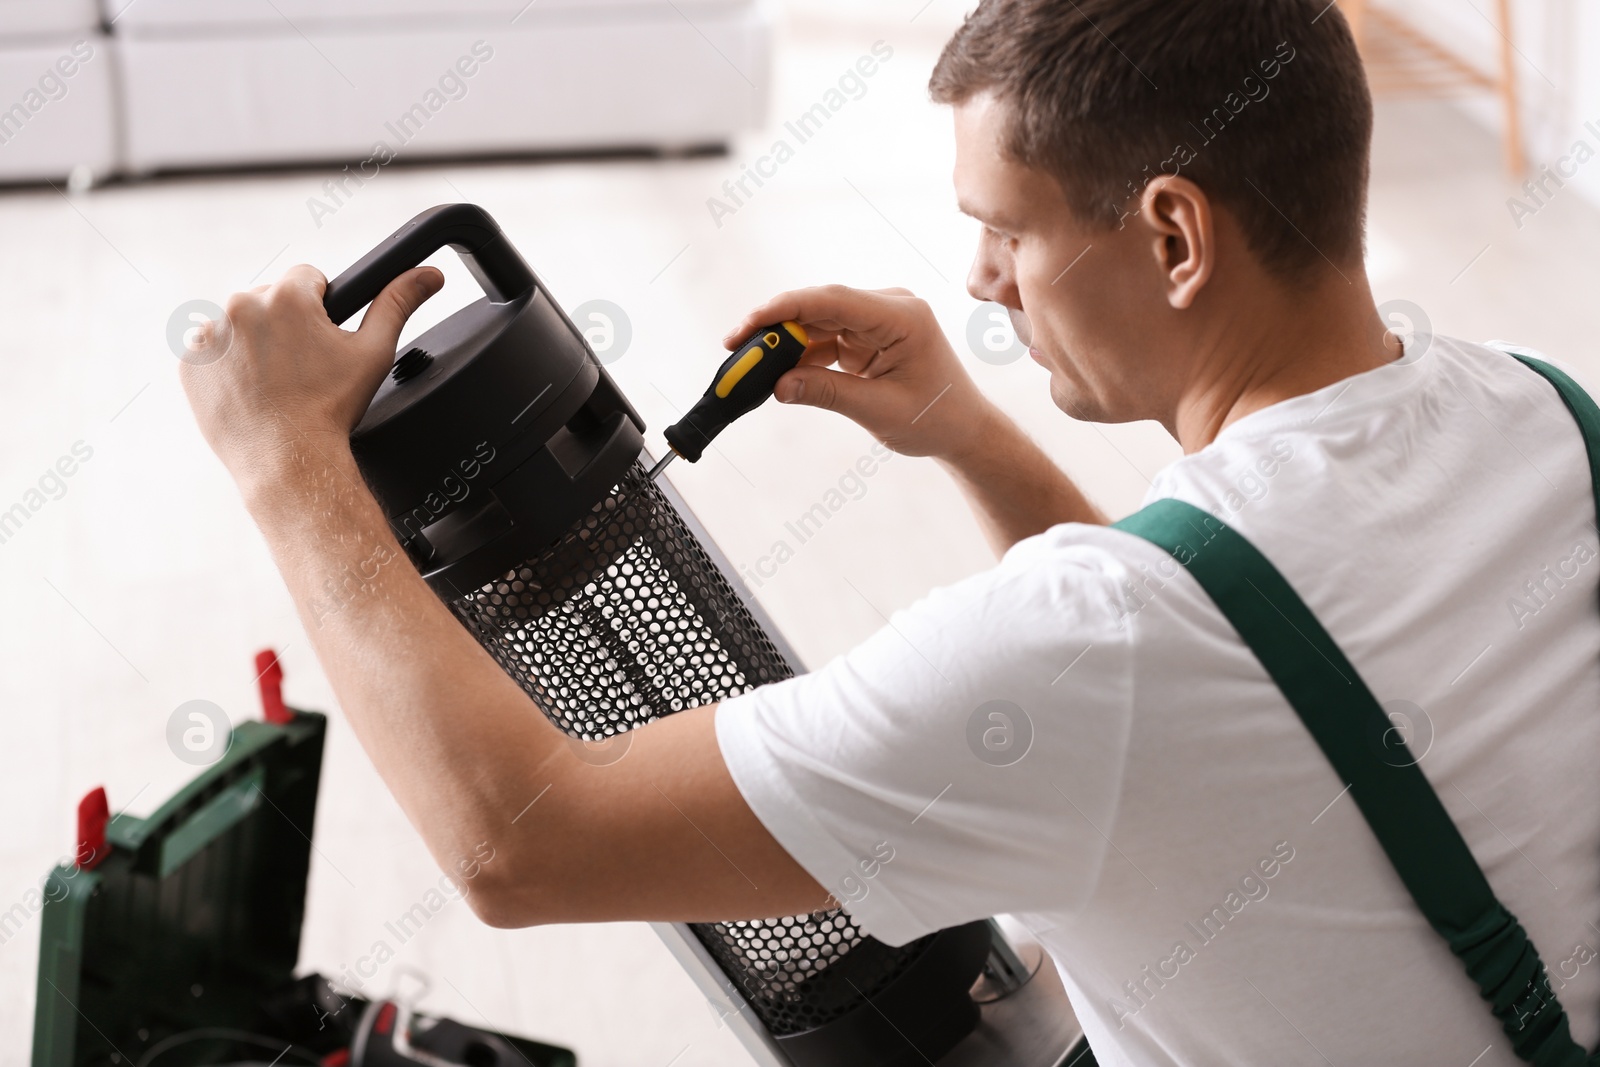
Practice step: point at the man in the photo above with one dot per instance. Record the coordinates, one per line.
(1172, 192)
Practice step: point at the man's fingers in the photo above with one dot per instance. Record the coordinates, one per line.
(305, 276)
(819, 387)
(859, 358)
(822, 351)
(399, 300)
(845, 351)
(879, 319)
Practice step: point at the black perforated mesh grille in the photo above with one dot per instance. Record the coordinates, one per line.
(624, 620)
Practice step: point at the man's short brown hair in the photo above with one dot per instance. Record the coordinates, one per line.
(1262, 103)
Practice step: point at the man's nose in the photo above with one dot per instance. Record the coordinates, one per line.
(989, 281)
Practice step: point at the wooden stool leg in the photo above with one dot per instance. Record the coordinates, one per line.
(1355, 13)
(1508, 93)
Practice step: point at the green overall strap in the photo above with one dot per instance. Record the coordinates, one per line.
(1583, 411)
(1354, 733)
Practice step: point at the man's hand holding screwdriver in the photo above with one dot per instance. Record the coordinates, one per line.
(898, 378)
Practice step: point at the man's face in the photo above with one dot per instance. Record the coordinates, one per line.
(1094, 296)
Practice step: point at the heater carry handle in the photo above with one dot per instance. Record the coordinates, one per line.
(498, 267)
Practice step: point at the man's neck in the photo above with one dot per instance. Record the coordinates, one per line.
(1284, 344)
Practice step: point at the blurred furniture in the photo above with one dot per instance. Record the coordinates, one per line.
(245, 83)
(1404, 60)
(53, 123)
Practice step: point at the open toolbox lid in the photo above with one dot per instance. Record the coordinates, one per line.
(181, 930)
(188, 918)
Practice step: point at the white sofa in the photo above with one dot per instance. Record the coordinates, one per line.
(229, 83)
(57, 105)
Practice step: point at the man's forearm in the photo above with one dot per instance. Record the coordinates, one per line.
(662, 835)
(467, 753)
(435, 714)
(1013, 488)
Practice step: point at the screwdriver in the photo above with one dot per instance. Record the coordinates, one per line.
(742, 383)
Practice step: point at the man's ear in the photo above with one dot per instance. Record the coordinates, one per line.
(1178, 217)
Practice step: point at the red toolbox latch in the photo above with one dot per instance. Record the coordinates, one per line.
(93, 814)
(269, 677)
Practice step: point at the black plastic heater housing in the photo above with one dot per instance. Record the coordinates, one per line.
(507, 463)
(498, 428)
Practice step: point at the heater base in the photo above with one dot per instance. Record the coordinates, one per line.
(915, 1019)
(1033, 1027)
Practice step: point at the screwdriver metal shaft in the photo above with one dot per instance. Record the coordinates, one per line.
(661, 465)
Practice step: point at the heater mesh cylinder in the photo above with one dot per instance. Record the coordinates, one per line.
(626, 619)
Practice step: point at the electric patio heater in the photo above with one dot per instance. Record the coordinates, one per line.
(514, 473)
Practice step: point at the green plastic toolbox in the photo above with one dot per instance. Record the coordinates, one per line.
(171, 941)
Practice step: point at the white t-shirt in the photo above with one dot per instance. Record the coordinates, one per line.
(1078, 736)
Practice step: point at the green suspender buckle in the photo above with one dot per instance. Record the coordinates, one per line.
(1354, 732)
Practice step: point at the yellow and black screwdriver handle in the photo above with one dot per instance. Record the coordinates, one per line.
(743, 383)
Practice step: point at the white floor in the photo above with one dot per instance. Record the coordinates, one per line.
(145, 585)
